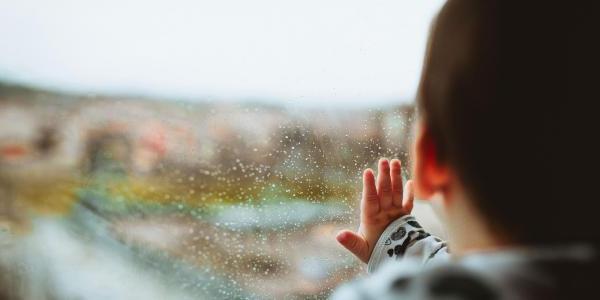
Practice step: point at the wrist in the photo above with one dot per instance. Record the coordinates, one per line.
(394, 231)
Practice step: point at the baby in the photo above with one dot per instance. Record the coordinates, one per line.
(501, 146)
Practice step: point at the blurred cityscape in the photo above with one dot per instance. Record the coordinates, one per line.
(193, 199)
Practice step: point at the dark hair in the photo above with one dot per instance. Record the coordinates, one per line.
(503, 95)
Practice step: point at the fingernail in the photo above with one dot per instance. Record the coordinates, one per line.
(384, 163)
(341, 236)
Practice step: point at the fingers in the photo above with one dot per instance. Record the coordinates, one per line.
(408, 197)
(396, 176)
(384, 184)
(354, 243)
(370, 200)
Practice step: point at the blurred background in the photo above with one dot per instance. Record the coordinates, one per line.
(196, 149)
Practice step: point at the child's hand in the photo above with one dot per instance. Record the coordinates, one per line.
(379, 207)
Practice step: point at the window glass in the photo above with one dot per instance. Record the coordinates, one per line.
(195, 149)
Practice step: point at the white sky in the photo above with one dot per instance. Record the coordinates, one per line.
(313, 51)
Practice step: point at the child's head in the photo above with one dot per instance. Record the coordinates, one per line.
(496, 105)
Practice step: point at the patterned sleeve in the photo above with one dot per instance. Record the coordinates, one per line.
(406, 238)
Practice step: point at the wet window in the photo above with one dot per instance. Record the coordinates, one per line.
(194, 149)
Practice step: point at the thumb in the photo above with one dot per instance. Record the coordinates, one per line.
(354, 243)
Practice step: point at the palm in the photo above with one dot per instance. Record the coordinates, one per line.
(382, 202)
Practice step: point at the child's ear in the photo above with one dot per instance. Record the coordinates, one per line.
(429, 174)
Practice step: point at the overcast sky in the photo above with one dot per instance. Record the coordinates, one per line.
(307, 51)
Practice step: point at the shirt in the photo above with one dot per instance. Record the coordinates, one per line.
(409, 263)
